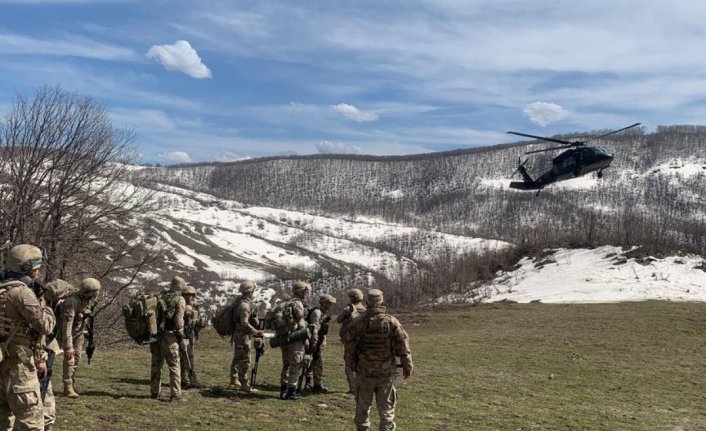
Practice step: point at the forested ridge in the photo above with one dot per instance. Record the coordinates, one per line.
(644, 198)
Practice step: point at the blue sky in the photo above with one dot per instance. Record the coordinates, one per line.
(222, 80)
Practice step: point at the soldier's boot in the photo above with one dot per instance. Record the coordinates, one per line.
(319, 388)
(69, 389)
(247, 389)
(291, 394)
(234, 384)
(282, 391)
(307, 385)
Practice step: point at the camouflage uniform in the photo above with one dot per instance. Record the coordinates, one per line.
(293, 354)
(72, 325)
(375, 339)
(242, 339)
(167, 345)
(313, 360)
(192, 325)
(22, 314)
(350, 312)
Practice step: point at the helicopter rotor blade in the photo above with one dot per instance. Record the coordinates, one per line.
(612, 133)
(558, 141)
(550, 149)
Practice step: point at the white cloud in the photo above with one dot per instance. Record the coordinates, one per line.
(543, 114)
(180, 56)
(353, 113)
(329, 147)
(175, 156)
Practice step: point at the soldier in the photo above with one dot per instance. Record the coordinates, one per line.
(242, 339)
(192, 326)
(375, 339)
(72, 322)
(354, 308)
(170, 342)
(23, 321)
(52, 349)
(319, 320)
(294, 315)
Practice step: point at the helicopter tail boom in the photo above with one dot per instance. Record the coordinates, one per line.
(527, 182)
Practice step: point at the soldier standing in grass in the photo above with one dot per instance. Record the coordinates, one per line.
(72, 317)
(354, 308)
(23, 322)
(319, 320)
(242, 339)
(192, 326)
(376, 339)
(294, 315)
(168, 343)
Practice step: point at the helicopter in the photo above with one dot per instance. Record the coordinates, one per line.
(578, 160)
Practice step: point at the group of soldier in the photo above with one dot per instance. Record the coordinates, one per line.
(32, 331)
(29, 333)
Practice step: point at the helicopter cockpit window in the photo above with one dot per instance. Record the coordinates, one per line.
(600, 151)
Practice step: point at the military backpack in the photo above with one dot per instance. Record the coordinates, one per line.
(148, 316)
(223, 322)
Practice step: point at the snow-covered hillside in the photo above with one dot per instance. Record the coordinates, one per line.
(604, 274)
(218, 243)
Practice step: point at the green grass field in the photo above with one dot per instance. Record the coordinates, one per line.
(630, 366)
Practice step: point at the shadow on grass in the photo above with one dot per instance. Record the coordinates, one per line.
(131, 381)
(221, 392)
(115, 396)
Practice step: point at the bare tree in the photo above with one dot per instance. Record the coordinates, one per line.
(62, 172)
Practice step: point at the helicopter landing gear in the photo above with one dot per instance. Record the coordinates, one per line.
(600, 174)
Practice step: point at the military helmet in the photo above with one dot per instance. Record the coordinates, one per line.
(178, 282)
(375, 297)
(89, 285)
(247, 286)
(356, 294)
(327, 298)
(24, 258)
(301, 286)
(188, 290)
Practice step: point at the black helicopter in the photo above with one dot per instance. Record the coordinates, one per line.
(575, 162)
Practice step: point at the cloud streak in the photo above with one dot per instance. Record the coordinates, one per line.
(73, 46)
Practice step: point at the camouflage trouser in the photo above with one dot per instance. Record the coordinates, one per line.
(186, 377)
(350, 368)
(383, 389)
(49, 404)
(19, 395)
(167, 348)
(72, 364)
(240, 365)
(292, 363)
(49, 409)
(315, 367)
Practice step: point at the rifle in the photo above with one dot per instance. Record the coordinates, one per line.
(316, 354)
(46, 379)
(184, 353)
(259, 351)
(91, 347)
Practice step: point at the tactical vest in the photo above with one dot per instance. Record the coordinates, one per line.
(377, 341)
(12, 331)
